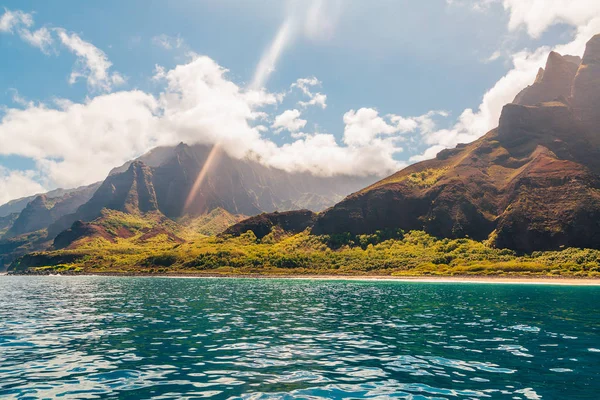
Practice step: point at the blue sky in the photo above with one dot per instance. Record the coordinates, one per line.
(399, 78)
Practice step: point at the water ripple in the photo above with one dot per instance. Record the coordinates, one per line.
(95, 337)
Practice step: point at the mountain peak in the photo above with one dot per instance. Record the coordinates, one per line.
(592, 51)
(552, 82)
(131, 191)
(586, 87)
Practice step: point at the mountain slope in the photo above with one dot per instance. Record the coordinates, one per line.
(531, 184)
(18, 205)
(131, 191)
(192, 181)
(45, 209)
(241, 186)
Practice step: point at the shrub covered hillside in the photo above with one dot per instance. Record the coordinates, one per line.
(388, 254)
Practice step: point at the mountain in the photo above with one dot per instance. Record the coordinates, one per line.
(45, 209)
(531, 184)
(18, 205)
(6, 222)
(261, 225)
(112, 226)
(213, 223)
(130, 192)
(192, 181)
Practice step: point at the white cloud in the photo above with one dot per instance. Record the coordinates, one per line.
(431, 152)
(82, 142)
(539, 15)
(315, 99)
(364, 125)
(494, 56)
(92, 63)
(79, 143)
(13, 19)
(536, 16)
(16, 184)
(20, 100)
(473, 124)
(20, 22)
(168, 42)
(41, 38)
(290, 120)
(318, 99)
(159, 73)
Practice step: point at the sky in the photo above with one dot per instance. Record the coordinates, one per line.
(326, 86)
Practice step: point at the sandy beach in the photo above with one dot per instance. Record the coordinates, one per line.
(524, 280)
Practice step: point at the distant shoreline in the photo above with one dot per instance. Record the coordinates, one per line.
(532, 280)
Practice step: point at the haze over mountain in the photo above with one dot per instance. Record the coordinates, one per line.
(163, 179)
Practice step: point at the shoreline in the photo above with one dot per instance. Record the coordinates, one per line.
(481, 279)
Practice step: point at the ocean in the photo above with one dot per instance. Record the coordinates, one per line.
(176, 338)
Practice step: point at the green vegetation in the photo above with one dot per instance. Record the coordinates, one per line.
(212, 223)
(384, 253)
(421, 179)
(426, 178)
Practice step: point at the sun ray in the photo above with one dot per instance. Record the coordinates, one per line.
(210, 160)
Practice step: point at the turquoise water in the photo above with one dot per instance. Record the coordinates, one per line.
(164, 338)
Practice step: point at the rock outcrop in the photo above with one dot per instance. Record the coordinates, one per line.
(261, 225)
(552, 83)
(80, 230)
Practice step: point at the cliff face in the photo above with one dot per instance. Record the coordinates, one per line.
(46, 209)
(531, 184)
(84, 193)
(131, 191)
(586, 88)
(551, 83)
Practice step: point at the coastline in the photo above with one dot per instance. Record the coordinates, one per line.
(476, 279)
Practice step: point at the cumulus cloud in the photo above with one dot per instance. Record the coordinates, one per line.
(79, 143)
(538, 15)
(290, 120)
(364, 125)
(16, 184)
